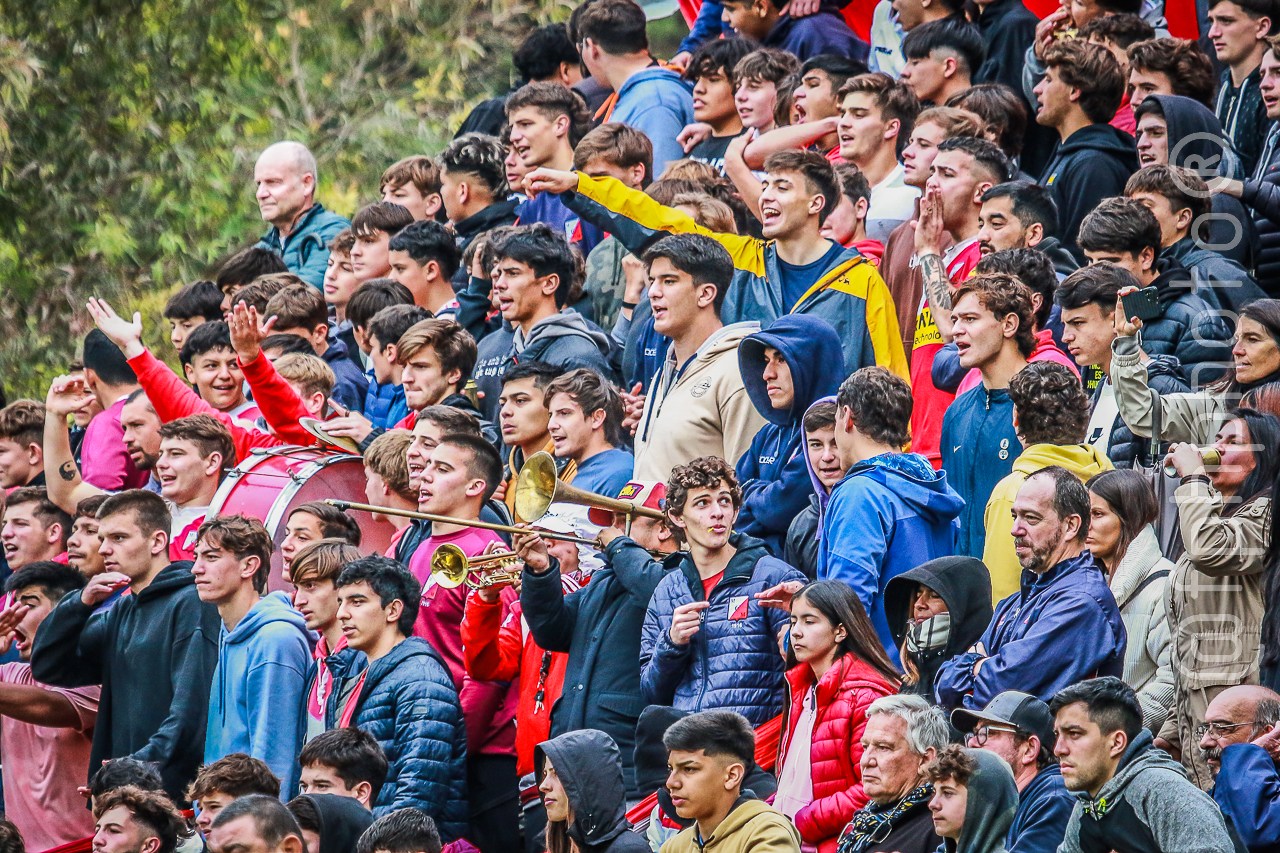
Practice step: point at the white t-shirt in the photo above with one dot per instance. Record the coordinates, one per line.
(892, 203)
(1103, 418)
(886, 41)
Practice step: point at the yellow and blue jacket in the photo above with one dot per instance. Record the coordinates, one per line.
(851, 296)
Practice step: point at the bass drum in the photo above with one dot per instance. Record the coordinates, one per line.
(271, 482)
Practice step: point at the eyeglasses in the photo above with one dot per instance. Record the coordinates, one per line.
(979, 735)
(1220, 729)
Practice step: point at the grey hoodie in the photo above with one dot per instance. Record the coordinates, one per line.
(566, 340)
(992, 801)
(1148, 806)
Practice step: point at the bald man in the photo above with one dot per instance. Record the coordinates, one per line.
(1240, 741)
(301, 229)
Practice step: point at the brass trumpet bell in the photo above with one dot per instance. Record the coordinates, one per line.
(451, 568)
(538, 487)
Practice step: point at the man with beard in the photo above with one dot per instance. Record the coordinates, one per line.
(1238, 740)
(1063, 625)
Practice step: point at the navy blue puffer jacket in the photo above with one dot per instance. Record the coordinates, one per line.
(732, 663)
(409, 704)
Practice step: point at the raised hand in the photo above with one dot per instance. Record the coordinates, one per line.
(67, 395)
(801, 8)
(1047, 30)
(693, 134)
(123, 333)
(248, 331)
(11, 617)
(686, 620)
(929, 227)
(1125, 326)
(632, 407)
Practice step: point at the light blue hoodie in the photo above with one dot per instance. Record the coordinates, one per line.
(658, 103)
(260, 681)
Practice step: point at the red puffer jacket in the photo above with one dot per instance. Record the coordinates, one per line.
(844, 693)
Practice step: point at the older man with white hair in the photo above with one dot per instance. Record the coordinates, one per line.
(902, 736)
(301, 229)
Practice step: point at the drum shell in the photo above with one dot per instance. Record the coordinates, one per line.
(271, 482)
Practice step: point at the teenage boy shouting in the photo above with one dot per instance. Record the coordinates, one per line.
(793, 270)
(711, 590)
(534, 275)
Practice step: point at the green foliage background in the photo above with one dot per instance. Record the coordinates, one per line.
(128, 131)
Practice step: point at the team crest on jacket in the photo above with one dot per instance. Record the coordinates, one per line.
(701, 388)
(738, 605)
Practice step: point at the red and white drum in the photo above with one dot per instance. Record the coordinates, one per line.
(271, 482)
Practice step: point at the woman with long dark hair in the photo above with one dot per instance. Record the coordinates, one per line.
(1122, 537)
(1215, 591)
(837, 668)
(1196, 416)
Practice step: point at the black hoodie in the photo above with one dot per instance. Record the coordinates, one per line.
(1091, 164)
(342, 820)
(590, 768)
(154, 654)
(1197, 142)
(965, 585)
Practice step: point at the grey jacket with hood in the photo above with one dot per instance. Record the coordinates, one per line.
(566, 340)
(589, 766)
(1148, 806)
(992, 801)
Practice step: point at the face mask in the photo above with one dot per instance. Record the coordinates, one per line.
(929, 635)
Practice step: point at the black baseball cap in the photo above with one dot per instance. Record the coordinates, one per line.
(1022, 711)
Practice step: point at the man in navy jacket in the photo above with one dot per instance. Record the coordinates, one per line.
(599, 627)
(1063, 625)
(1019, 728)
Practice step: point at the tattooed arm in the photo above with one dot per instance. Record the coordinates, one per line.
(937, 285)
(67, 394)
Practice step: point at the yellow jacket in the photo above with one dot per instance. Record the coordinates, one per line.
(851, 296)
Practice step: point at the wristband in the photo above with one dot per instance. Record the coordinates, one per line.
(1197, 478)
(630, 306)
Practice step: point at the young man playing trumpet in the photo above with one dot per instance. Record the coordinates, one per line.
(461, 473)
(599, 624)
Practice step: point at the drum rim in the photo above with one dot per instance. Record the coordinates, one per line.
(253, 460)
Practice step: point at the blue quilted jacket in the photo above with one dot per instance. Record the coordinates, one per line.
(732, 663)
(409, 704)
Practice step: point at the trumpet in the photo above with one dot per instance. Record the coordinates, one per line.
(538, 487)
(464, 522)
(451, 568)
